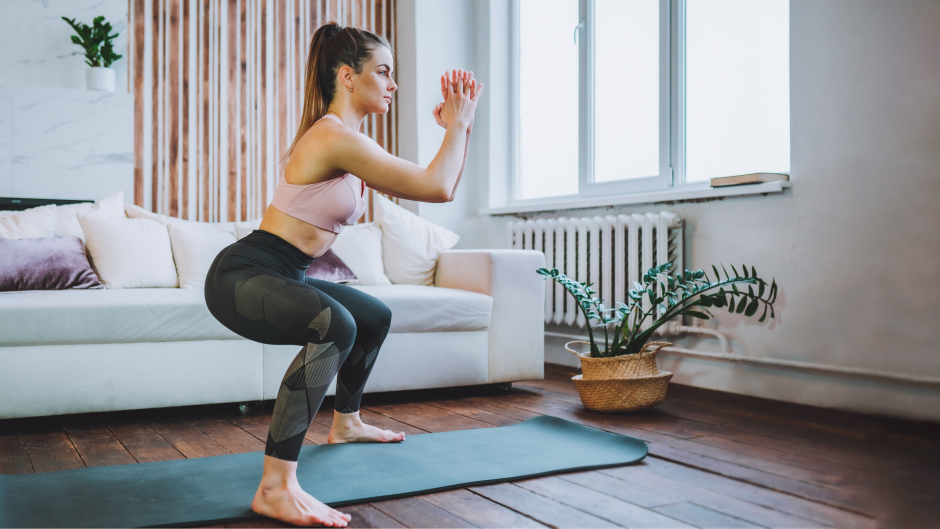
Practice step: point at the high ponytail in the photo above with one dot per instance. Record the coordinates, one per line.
(331, 47)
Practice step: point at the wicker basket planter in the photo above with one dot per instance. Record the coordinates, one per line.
(621, 383)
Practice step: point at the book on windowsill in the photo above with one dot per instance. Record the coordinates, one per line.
(752, 178)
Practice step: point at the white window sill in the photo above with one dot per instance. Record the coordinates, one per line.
(670, 195)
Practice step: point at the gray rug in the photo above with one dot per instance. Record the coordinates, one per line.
(219, 489)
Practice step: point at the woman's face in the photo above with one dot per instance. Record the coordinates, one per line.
(373, 88)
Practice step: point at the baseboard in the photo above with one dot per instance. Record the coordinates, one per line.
(814, 389)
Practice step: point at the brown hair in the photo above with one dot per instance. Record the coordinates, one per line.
(331, 47)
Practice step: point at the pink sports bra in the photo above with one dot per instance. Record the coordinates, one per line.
(330, 205)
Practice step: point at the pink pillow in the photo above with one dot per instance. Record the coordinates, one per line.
(45, 263)
(330, 267)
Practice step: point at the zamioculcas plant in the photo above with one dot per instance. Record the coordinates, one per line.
(690, 293)
(95, 41)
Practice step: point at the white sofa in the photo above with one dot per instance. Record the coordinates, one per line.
(77, 351)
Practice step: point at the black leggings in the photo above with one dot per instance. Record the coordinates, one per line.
(257, 287)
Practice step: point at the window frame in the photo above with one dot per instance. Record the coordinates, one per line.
(672, 112)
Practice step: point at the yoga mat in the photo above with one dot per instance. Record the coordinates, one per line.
(219, 489)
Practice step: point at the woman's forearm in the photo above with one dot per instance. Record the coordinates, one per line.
(466, 151)
(446, 166)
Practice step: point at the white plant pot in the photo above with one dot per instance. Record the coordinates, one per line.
(97, 78)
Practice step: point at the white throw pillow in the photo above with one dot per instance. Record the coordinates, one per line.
(29, 224)
(411, 245)
(245, 227)
(360, 247)
(129, 253)
(195, 246)
(66, 224)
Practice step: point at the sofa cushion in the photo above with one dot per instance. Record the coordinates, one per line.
(179, 314)
(417, 308)
(107, 316)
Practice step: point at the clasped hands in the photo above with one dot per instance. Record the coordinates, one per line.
(459, 88)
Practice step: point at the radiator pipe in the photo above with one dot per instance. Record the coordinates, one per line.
(674, 328)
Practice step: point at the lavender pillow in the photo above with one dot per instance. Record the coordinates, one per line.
(330, 267)
(45, 263)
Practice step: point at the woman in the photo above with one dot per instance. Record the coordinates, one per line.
(257, 286)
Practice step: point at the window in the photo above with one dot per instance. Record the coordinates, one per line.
(615, 97)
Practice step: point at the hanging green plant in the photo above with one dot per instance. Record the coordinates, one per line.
(95, 40)
(669, 296)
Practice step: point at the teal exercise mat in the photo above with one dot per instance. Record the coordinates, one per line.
(219, 489)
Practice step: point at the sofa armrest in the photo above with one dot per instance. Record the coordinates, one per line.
(517, 325)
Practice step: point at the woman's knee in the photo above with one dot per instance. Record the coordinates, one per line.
(343, 327)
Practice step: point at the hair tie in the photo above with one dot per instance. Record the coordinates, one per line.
(333, 29)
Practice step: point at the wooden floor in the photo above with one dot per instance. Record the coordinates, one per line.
(716, 459)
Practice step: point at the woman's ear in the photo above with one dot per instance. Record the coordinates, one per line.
(345, 77)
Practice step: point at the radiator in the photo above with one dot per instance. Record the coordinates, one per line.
(610, 251)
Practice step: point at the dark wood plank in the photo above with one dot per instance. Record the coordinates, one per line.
(604, 506)
(538, 507)
(98, 446)
(144, 443)
(692, 492)
(415, 512)
(624, 490)
(188, 440)
(701, 517)
(468, 409)
(761, 496)
(50, 449)
(426, 417)
(478, 510)
(226, 434)
(717, 461)
(13, 456)
(366, 515)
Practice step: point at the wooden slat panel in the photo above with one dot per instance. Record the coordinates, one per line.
(204, 124)
(139, 44)
(232, 109)
(243, 109)
(186, 42)
(230, 45)
(156, 86)
(173, 105)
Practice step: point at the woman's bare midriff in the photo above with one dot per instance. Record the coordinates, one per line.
(312, 240)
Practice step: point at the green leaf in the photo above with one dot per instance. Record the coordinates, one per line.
(741, 306)
(696, 314)
(699, 274)
(753, 272)
(735, 270)
(764, 315)
(717, 275)
(744, 267)
(760, 289)
(751, 307)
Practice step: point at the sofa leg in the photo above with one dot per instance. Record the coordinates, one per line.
(244, 407)
(502, 387)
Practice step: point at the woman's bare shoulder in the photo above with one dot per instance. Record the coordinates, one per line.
(310, 161)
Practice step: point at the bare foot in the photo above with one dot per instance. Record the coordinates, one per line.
(289, 503)
(349, 429)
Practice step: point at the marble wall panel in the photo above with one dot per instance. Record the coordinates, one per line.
(65, 143)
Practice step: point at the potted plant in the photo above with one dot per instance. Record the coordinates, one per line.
(99, 52)
(623, 376)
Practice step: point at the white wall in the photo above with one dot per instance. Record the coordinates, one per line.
(853, 245)
(36, 47)
(57, 139)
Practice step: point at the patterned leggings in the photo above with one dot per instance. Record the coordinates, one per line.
(257, 288)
